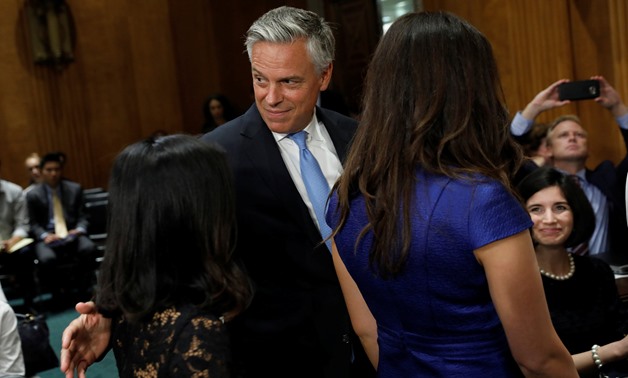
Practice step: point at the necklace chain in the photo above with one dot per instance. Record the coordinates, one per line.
(572, 269)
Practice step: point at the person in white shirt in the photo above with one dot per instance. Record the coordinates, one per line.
(11, 358)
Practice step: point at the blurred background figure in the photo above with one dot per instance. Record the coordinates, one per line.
(11, 358)
(14, 228)
(58, 223)
(534, 144)
(32, 166)
(217, 110)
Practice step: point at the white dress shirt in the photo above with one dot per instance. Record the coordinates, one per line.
(320, 145)
(11, 358)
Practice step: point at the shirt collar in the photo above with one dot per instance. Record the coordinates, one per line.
(50, 190)
(582, 174)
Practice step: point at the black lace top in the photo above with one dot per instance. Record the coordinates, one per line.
(586, 308)
(180, 341)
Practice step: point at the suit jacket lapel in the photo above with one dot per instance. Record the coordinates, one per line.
(263, 154)
(340, 136)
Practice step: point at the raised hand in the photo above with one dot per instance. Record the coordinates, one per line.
(544, 100)
(609, 98)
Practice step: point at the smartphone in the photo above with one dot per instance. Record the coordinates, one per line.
(579, 90)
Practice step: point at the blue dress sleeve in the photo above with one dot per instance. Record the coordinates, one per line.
(495, 214)
(331, 215)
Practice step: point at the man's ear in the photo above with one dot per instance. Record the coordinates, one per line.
(326, 77)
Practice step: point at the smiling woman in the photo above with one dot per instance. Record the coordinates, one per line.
(581, 293)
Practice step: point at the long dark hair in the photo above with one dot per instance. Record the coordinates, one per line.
(432, 99)
(171, 230)
(583, 215)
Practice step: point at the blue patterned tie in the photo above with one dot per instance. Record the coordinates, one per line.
(315, 182)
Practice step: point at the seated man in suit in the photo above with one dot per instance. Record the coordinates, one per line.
(58, 222)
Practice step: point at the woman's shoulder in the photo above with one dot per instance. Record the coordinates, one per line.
(201, 320)
(188, 313)
(595, 264)
(176, 318)
(465, 180)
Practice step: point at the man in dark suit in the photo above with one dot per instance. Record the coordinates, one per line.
(567, 143)
(297, 324)
(60, 235)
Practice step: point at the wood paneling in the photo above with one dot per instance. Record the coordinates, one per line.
(357, 30)
(537, 42)
(140, 67)
(122, 86)
(143, 66)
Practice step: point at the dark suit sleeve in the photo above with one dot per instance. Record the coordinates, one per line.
(36, 206)
(622, 167)
(83, 221)
(77, 211)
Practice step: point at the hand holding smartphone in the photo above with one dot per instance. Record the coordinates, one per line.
(579, 90)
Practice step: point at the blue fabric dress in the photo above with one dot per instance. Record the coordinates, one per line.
(437, 319)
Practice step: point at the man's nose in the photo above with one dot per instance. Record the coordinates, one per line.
(274, 95)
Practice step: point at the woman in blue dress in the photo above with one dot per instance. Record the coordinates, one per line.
(431, 247)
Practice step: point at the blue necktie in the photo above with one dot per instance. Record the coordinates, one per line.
(315, 183)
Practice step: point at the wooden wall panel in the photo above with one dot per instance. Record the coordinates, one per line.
(357, 30)
(537, 42)
(16, 135)
(143, 66)
(122, 86)
(591, 49)
(209, 46)
(618, 37)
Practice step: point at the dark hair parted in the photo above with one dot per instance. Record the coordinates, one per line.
(583, 215)
(171, 230)
(57, 157)
(433, 99)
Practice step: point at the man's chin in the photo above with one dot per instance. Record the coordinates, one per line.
(575, 158)
(277, 125)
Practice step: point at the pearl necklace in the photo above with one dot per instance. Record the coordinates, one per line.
(572, 269)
